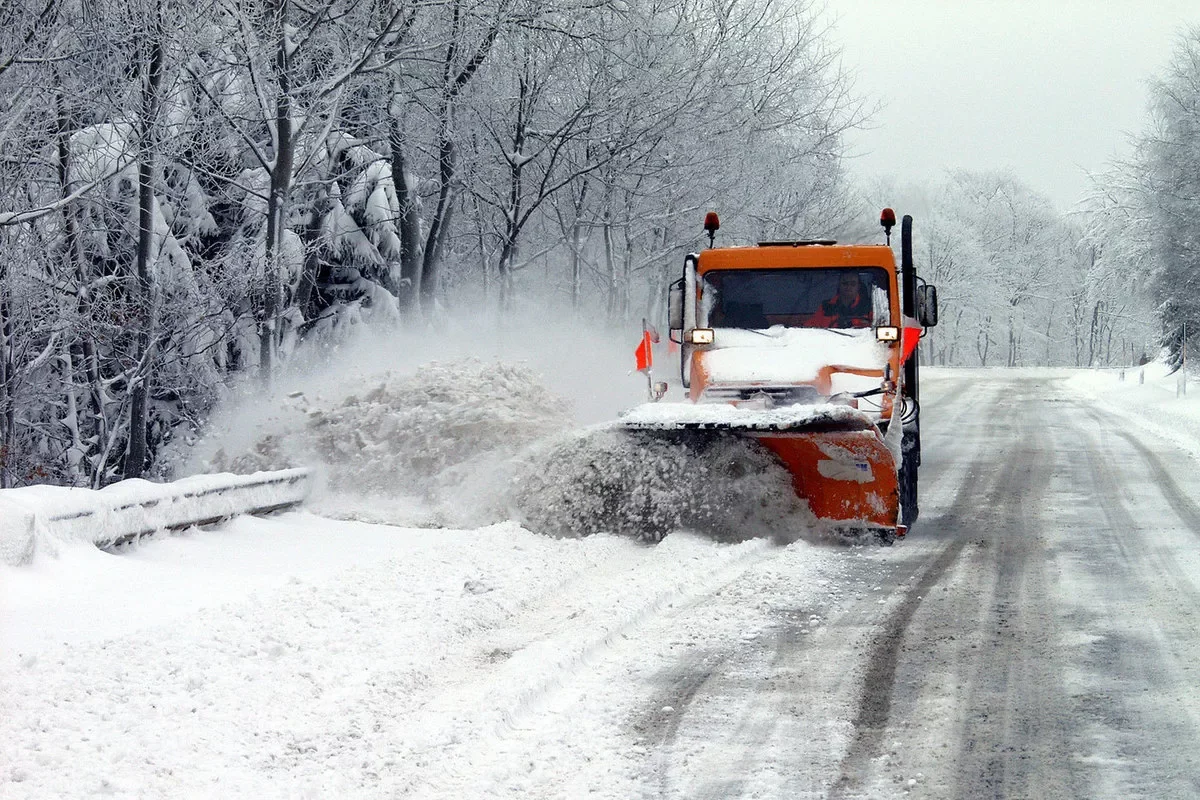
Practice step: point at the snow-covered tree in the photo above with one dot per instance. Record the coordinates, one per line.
(1006, 265)
(1169, 166)
(188, 193)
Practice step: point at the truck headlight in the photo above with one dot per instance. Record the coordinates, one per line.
(887, 333)
(700, 335)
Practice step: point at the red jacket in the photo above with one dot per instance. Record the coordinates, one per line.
(835, 313)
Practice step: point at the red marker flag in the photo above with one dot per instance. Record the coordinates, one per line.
(908, 341)
(645, 356)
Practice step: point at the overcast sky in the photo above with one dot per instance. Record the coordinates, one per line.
(1051, 89)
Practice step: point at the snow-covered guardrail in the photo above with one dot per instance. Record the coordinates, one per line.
(129, 509)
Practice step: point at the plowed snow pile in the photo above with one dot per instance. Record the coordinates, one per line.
(640, 485)
(468, 443)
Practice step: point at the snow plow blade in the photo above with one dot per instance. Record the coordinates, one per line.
(837, 457)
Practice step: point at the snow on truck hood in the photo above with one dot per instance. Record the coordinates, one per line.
(789, 355)
(667, 415)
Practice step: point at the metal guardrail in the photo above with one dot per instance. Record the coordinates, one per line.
(128, 510)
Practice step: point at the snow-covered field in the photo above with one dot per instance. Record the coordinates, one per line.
(305, 656)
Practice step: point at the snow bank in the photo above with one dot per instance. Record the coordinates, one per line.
(39, 516)
(1152, 397)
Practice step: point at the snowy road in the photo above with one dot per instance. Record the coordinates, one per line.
(1038, 635)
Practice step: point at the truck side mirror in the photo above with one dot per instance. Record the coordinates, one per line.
(675, 306)
(927, 306)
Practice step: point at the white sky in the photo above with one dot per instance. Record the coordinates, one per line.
(1051, 89)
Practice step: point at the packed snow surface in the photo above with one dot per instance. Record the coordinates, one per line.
(300, 657)
(789, 355)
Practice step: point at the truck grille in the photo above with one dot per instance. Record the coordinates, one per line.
(778, 395)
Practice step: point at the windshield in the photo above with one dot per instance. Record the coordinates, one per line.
(830, 297)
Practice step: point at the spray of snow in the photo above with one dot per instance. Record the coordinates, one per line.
(433, 441)
(465, 442)
(646, 485)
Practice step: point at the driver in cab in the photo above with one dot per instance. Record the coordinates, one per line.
(851, 307)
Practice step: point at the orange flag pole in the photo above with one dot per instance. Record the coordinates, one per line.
(645, 356)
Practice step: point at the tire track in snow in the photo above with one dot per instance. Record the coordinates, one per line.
(1183, 507)
(875, 706)
(1188, 511)
(762, 721)
(1134, 696)
(1015, 720)
(875, 703)
(667, 708)
(747, 703)
(974, 650)
(499, 706)
(765, 711)
(944, 454)
(962, 513)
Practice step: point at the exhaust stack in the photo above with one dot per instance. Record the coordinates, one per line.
(908, 295)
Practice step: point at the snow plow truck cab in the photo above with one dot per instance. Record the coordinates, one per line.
(808, 347)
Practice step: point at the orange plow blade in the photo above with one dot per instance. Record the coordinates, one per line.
(838, 459)
(846, 476)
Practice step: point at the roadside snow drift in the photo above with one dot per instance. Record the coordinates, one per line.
(44, 517)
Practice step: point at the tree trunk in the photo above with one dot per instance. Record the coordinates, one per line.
(512, 214)
(410, 228)
(135, 456)
(7, 412)
(310, 236)
(610, 264)
(432, 258)
(983, 341)
(277, 201)
(73, 251)
(576, 254)
(454, 79)
(1094, 335)
(1049, 323)
(626, 274)
(576, 264)
(1012, 342)
(70, 416)
(485, 267)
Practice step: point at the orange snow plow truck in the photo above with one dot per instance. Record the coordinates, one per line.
(808, 347)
